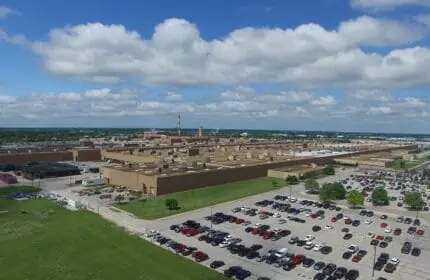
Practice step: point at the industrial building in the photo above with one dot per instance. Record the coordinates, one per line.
(37, 170)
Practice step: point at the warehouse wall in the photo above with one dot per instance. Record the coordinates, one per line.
(27, 157)
(87, 155)
(127, 157)
(131, 180)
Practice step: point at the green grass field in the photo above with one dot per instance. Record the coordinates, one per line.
(9, 190)
(50, 242)
(407, 164)
(154, 208)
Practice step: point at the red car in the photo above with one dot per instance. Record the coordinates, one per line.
(356, 258)
(191, 232)
(239, 221)
(397, 231)
(348, 221)
(334, 220)
(256, 231)
(185, 230)
(420, 232)
(268, 235)
(384, 225)
(379, 237)
(200, 256)
(298, 259)
(181, 248)
(313, 216)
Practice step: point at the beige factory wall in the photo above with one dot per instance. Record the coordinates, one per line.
(128, 158)
(131, 180)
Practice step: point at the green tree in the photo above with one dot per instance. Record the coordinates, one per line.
(292, 180)
(402, 164)
(355, 198)
(171, 203)
(329, 170)
(414, 200)
(312, 186)
(380, 196)
(274, 184)
(326, 193)
(338, 190)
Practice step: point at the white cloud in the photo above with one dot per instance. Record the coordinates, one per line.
(240, 93)
(370, 31)
(5, 12)
(324, 101)
(384, 4)
(380, 110)
(372, 95)
(4, 99)
(171, 96)
(423, 18)
(286, 97)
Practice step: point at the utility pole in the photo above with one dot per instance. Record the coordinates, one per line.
(211, 217)
(374, 261)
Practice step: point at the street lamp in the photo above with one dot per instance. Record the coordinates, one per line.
(374, 262)
(211, 217)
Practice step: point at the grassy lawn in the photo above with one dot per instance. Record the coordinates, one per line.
(9, 190)
(407, 164)
(199, 198)
(50, 242)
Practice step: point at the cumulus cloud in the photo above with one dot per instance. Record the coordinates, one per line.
(240, 93)
(384, 4)
(370, 31)
(171, 96)
(372, 95)
(307, 56)
(324, 101)
(5, 12)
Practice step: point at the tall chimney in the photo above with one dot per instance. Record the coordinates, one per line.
(179, 125)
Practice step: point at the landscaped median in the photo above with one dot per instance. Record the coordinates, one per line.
(41, 240)
(190, 200)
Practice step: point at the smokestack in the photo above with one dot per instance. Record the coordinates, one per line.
(179, 125)
(200, 132)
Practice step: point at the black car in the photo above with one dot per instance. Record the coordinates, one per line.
(416, 252)
(316, 228)
(383, 257)
(383, 244)
(217, 264)
(369, 214)
(256, 247)
(352, 274)
(319, 276)
(362, 253)
(231, 271)
(347, 236)
(252, 254)
(293, 240)
(308, 262)
(389, 268)
(263, 278)
(384, 217)
(346, 255)
(301, 243)
(379, 265)
(331, 277)
(319, 265)
(363, 213)
(356, 223)
(408, 221)
(329, 269)
(345, 229)
(325, 250)
(339, 216)
(289, 266)
(340, 272)
(374, 242)
(412, 230)
(417, 222)
(406, 248)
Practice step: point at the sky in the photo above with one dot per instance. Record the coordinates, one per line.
(338, 65)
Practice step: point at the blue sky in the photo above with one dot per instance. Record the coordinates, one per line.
(358, 65)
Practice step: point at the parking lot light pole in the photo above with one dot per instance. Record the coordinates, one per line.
(374, 262)
(211, 217)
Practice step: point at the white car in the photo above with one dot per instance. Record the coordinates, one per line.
(368, 222)
(228, 237)
(258, 225)
(394, 261)
(276, 215)
(388, 230)
(370, 234)
(307, 214)
(292, 199)
(309, 245)
(309, 237)
(282, 221)
(224, 244)
(329, 227)
(152, 233)
(353, 248)
(347, 218)
(318, 247)
(321, 217)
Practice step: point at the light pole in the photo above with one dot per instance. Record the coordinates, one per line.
(374, 262)
(211, 217)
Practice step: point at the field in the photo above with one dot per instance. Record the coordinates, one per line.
(40, 240)
(154, 208)
(9, 190)
(406, 164)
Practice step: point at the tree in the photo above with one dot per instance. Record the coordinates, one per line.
(171, 203)
(338, 190)
(274, 184)
(326, 193)
(312, 186)
(402, 164)
(329, 170)
(414, 200)
(380, 196)
(292, 180)
(355, 198)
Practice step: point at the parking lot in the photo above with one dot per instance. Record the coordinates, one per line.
(410, 267)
